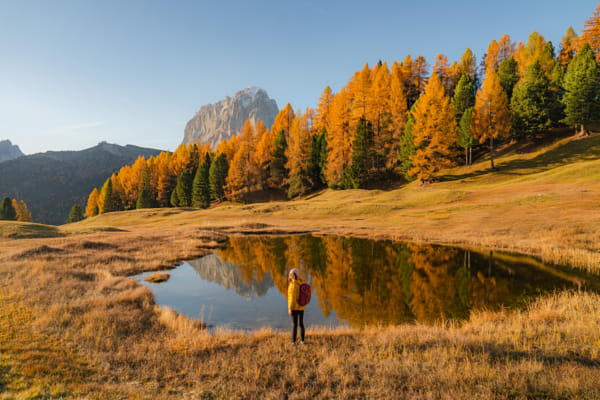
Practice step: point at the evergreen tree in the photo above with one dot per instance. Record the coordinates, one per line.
(184, 189)
(174, 200)
(464, 96)
(582, 90)
(201, 187)
(557, 91)
(317, 161)
(465, 138)
(76, 214)
(279, 173)
(217, 177)
(144, 200)
(532, 102)
(407, 147)
(7, 211)
(508, 73)
(361, 148)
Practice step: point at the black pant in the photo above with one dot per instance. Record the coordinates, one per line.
(298, 315)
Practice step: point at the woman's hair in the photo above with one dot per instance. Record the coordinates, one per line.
(293, 273)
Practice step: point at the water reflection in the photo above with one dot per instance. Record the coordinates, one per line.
(368, 282)
(357, 281)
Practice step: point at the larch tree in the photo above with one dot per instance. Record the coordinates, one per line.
(591, 33)
(298, 154)
(379, 116)
(568, 47)
(283, 121)
(237, 176)
(491, 116)
(582, 90)
(323, 111)
(339, 140)
(263, 154)
(444, 72)
(398, 114)
(434, 131)
(166, 180)
(506, 47)
(248, 137)
(468, 66)
(536, 49)
(23, 214)
(92, 204)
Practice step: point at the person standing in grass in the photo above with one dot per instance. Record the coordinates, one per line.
(295, 310)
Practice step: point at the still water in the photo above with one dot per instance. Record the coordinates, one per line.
(355, 282)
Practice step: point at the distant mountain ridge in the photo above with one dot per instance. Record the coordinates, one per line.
(8, 151)
(215, 122)
(51, 182)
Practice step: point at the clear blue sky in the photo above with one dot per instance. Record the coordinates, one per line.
(74, 73)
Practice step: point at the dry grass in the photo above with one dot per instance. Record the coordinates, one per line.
(74, 325)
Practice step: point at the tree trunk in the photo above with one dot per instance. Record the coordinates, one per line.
(470, 155)
(492, 150)
(466, 156)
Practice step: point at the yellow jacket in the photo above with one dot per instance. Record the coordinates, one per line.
(294, 294)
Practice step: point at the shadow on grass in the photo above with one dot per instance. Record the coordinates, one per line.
(584, 149)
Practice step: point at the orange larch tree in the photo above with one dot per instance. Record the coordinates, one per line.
(339, 139)
(434, 131)
(322, 114)
(491, 116)
(568, 47)
(398, 115)
(591, 33)
(92, 204)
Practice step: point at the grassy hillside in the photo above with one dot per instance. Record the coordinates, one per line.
(542, 200)
(72, 325)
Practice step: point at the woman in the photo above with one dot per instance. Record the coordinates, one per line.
(295, 309)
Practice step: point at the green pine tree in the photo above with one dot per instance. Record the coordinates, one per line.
(532, 102)
(174, 200)
(7, 211)
(508, 73)
(582, 90)
(464, 96)
(144, 200)
(362, 145)
(465, 138)
(217, 176)
(318, 160)
(279, 173)
(108, 197)
(407, 146)
(76, 214)
(201, 186)
(184, 189)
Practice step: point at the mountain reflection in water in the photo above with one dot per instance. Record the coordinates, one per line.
(382, 282)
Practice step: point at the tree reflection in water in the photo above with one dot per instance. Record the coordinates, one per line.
(382, 282)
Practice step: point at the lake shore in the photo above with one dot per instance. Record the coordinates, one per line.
(75, 325)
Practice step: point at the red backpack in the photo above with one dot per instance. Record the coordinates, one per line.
(305, 293)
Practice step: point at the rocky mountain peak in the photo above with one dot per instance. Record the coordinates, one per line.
(218, 121)
(8, 151)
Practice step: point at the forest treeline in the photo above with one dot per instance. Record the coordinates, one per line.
(386, 123)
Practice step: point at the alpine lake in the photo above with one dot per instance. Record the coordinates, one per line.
(355, 282)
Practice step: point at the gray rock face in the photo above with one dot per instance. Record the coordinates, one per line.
(211, 268)
(222, 120)
(8, 151)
